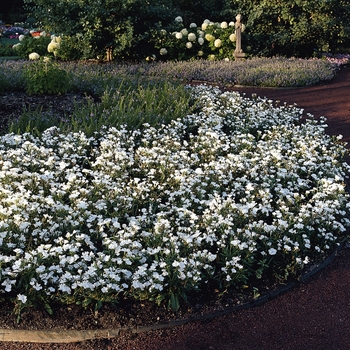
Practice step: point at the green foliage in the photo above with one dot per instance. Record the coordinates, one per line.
(151, 103)
(71, 48)
(6, 47)
(101, 24)
(35, 122)
(46, 78)
(198, 11)
(299, 28)
(31, 44)
(274, 27)
(133, 95)
(6, 51)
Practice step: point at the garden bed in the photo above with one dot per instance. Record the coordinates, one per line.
(90, 318)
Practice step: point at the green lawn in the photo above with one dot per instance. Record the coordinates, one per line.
(8, 41)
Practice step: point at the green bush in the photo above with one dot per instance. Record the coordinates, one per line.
(151, 103)
(46, 77)
(31, 44)
(71, 48)
(6, 50)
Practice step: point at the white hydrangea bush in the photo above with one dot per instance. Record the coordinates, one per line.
(239, 190)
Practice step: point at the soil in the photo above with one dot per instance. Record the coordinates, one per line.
(310, 315)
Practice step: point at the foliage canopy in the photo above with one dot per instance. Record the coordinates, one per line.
(274, 27)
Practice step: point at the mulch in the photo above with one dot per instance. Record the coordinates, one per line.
(314, 315)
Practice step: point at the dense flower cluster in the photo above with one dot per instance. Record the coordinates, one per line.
(211, 40)
(234, 190)
(33, 56)
(54, 44)
(338, 59)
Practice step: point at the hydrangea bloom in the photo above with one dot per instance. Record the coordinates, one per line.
(34, 56)
(217, 43)
(191, 37)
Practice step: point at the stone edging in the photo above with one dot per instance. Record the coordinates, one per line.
(72, 336)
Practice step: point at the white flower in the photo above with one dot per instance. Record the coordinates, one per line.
(151, 58)
(193, 25)
(163, 51)
(21, 37)
(34, 56)
(178, 19)
(22, 298)
(209, 37)
(191, 37)
(178, 35)
(223, 25)
(200, 41)
(53, 46)
(184, 31)
(232, 37)
(204, 26)
(8, 284)
(189, 45)
(217, 43)
(231, 24)
(272, 251)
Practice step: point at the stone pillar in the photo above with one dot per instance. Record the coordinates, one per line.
(239, 54)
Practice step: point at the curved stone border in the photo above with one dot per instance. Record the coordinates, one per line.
(72, 336)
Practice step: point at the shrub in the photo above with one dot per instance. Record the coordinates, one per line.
(46, 77)
(71, 48)
(210, 40)
(6, 50)
(31, 44)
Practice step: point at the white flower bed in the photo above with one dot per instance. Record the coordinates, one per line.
(229, 193)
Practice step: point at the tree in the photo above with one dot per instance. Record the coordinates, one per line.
(300, 28)
(99, 24)
(274, 27)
